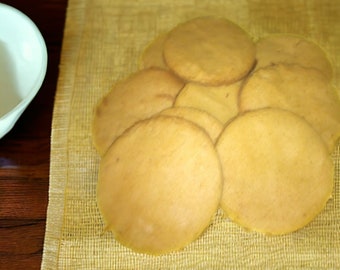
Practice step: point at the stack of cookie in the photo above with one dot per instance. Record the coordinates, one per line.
(213, 120)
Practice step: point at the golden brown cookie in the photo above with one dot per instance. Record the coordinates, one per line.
(139, 96)
(278, 172)
(201, 118)
(210, 51)
(305, 91)
(159, 185)
(152, 56)
(292, 49)
(219, 101)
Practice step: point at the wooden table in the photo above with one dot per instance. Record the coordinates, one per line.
(25, 152)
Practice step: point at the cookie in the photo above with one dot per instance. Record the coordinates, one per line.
(152, 56)
(137, 97)
(292, 49)
(201, 118)
(210, 51)
(278, 172)
(304, 91)
(219, 101)
(159, 185)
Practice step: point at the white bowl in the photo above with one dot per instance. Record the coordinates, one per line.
(23, 64)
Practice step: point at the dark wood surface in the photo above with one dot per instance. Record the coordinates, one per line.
(25, 151)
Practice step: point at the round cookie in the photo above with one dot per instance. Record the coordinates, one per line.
(292, 49)
(203, 119)
(139, 96)
(219, 101)
(304, 91)
(159, 185)
(210, 51)
(278, 172)
(152, 56)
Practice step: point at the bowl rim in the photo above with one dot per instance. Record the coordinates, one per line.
(18, 109)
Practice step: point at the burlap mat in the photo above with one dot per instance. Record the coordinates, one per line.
(102, 43)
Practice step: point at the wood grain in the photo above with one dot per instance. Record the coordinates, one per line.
(25, 152)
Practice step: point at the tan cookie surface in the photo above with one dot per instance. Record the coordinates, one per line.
(305, 91)
(278, 172)
(203, 119)
(292, 49)
(159, 185)
(219, 101)
(152, 56)
(139, 96)
(209, 50)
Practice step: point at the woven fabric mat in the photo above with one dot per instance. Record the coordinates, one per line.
(103, 40)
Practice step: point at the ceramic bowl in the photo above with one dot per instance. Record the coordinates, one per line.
(23, 64)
